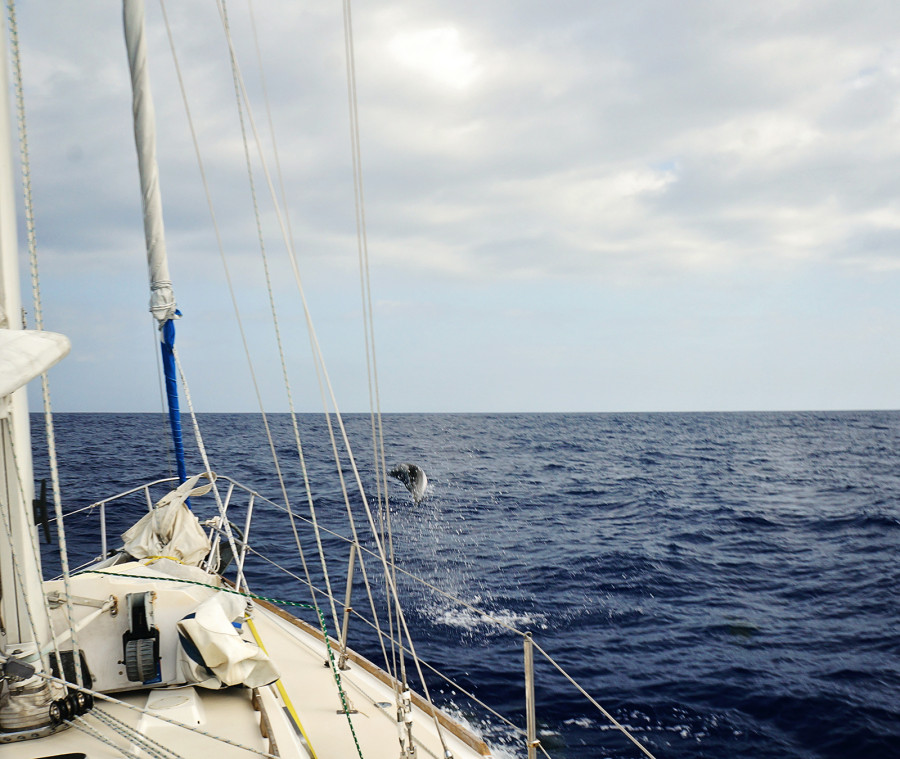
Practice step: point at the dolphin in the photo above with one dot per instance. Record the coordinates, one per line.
(413, 477)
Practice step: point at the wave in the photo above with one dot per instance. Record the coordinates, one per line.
(497, 620)
(745, 571)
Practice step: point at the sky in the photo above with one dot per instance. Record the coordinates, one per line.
(570, 206)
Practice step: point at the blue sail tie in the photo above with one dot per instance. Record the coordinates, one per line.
(171, 374)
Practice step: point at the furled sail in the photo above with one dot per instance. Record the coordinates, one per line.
(162, 296)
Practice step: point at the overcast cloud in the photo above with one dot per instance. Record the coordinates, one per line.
(576, 205)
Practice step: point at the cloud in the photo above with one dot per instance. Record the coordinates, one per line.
(576, 145)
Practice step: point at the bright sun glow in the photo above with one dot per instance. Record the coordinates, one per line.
(436, 53)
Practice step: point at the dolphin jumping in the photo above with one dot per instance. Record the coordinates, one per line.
(413, 477)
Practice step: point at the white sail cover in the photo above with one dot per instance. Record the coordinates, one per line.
(25, 354)
(214, 654)
(171, 530)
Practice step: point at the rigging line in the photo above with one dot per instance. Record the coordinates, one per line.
(590, 698)
(320, 363)
(225, 267)
(381, 554)
(265, 263)
(369, 333)
(363, 245)
(239, 90)
(156, 715)
(456, 685)
(134, 736)
(373, 624)
(79, 723)
(480, 612)
(39, 317)
(352, 460)
(290, 236)
(392, 585)
(317, 352)
(367, 311)
(368, 318)
(198, 438)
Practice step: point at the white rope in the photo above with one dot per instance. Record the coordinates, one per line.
(79, 723)
(134, 736)
(378, 454)
(321, 371)
(319, 363)
(228, 279)
(238, 89)
(143, 710)
(287, 383)
(327, 384)
(324, 381)
(201, 448)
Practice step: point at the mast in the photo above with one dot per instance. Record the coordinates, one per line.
(162, 296)
(17, 485)
(24, 354)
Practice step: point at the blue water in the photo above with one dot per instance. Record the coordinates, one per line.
(724, 584)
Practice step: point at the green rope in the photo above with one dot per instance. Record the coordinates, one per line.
(234, 591)
(279, 602)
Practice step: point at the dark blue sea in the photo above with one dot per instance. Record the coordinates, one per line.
(726, 585)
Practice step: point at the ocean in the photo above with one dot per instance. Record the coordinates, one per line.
(725, 585)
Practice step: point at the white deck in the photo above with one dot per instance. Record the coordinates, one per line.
(300, 655)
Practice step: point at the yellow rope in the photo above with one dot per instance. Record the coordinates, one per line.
(283, 692)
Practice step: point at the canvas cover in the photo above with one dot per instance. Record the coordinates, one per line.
(172, 530)
(26, 353)
(213, 654)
